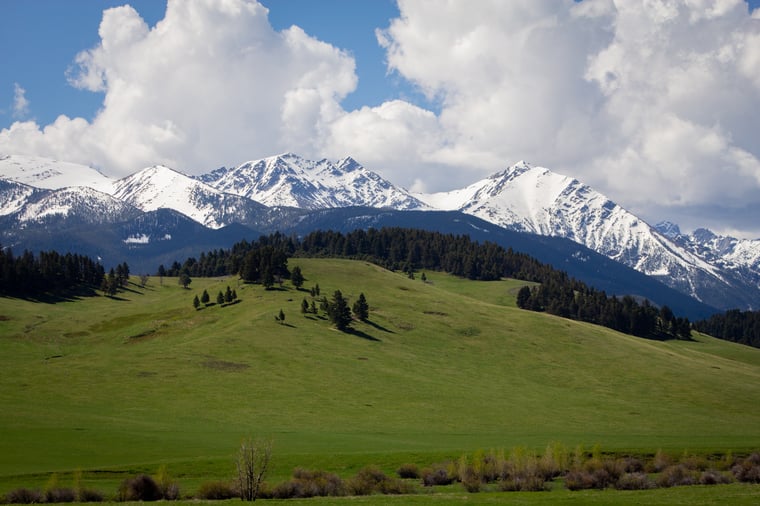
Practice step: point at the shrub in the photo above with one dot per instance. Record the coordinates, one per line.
(370, 480)
(168, 487)
(437, 475)
(318, 483)
(216, 491)
(748, 470)
(523, 483)
(633, 465)
(676, 475)
(139, 488)
(89, 495)
(579, 480)
(713, 477)
(23, 496)
(660, 461)
(634, 481)
(408, 471)
(59, 494)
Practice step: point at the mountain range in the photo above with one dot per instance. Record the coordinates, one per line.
(159, 212)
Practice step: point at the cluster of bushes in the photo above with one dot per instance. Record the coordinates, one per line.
(520, 470)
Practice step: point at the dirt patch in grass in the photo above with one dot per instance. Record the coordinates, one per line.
(435, 313)
(224, 365)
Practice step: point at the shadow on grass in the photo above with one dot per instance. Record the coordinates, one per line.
(378, 327)
(363, 335)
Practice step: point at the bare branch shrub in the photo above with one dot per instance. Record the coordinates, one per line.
(252, 464)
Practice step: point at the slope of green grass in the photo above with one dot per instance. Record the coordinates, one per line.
(442, 367)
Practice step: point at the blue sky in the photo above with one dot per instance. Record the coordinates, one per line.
(655, 107)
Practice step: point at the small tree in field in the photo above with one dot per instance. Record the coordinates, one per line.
(220, 298)
(296, 277)
(196, 302)
(338, 311)
(205, 298)
(361, 308)
(184, 279)
(253, 461)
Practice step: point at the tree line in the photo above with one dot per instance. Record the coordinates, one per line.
(737, 326)
(408, 250)
(49, 271)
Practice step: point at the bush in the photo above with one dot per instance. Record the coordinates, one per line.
(408, 471)
(216, 491)
(713, 477)
(59, 494)
(579, 480)
(139, 488)
(634, 481)
(524, 482)
(677, 475)
(437, 475)
(89, 495)
(366, 481)
(23, 496)
(748, 470)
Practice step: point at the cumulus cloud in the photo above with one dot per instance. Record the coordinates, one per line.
(653, 102)
(211, 83)
(20, 102)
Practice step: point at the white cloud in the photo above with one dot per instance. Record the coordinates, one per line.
(654, 102)
(210, 84)
(20, 102)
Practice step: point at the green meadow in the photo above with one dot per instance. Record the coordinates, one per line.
(114, 387)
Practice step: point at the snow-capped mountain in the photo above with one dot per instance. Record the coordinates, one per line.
(160, 187)
(289, 180)
(51, 174)
(720, 271)
(539, 201)
(23, 206)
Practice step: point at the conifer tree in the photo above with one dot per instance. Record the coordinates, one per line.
(228, 295)
(220, 298)
(296, 277)
(339, 312)
(196, 302)
(304, 306)
(205, 298)
(361, 308)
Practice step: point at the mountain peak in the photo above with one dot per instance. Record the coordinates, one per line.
(668, 229)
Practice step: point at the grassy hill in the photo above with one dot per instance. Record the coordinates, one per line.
(442, 367)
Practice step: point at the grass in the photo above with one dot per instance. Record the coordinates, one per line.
(120, 386)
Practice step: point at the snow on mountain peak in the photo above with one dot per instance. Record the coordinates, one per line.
(51, 174)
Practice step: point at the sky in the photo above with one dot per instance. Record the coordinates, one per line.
(652, 102)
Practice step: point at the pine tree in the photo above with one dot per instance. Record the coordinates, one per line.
(184, 279)
(281, 316)
(361, 308)
(228, 295)
(220, 298)
(205, 298)
(296, 277)
(196, 302)
(339, 312)
(304, 306)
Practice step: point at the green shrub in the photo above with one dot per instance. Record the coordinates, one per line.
(216, 491)
(367, 481)
(139, 488)
(579, 479)
(23, 496)
(408, 471)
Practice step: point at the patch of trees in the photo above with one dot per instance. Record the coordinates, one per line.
(411, 250)
(579, 302)
(48, 272)
(737, 326)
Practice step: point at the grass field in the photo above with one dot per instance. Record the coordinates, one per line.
(113, 387)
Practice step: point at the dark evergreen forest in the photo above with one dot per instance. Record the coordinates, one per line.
(411, 250)
(29, 275)
(736, 326)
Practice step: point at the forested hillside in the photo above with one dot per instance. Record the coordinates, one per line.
(411, 250)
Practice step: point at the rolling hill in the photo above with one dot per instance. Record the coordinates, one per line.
(442, 367)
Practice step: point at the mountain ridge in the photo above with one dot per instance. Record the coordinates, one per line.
(722, 272)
